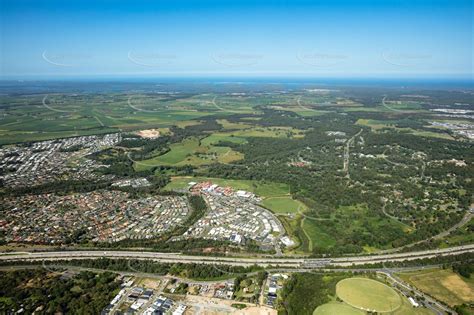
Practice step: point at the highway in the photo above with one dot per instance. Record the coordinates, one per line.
(313, 263)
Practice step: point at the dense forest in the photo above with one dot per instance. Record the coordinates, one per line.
(43, 292)
(191, 271)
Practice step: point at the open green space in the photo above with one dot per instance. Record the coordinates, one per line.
(378, 125)
(404, 105)
(368, 294)
(443, 284)
(424, 133)
(232, 125)
(270, 132)
(305, 112)
(354, 222)
(283, 205)
(178, 152)
(321, 293)
(407, 309)
(232, 104)
(375, 124)
(317, 237)
(27, 118)
(195, 151)
(191, 151)
(218, 137)
(335, 308)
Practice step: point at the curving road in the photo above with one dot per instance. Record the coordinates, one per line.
(465, 219)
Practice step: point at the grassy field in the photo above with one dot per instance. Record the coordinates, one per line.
(217, 137)
(178, 152)
(301, 111)
(407, 309)
(377, 125)
(323, 232)
(194, 151)
(317, 238)
(233, 104)
(404, 105)
(233, 126)
(319, 233)
(367, 109)
(191, 152)
(33, 118)
(368, 294)
(430, 134)
(445, 285)
(372, 293)
(354, 219)
(62, 115)
(269, 132)
(283, 205)
(334, 308)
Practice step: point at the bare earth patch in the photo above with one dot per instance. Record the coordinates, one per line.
(149, 133)
(150, 283)
(256, 310)
(214, 306)
(445, 285)
(455, 284)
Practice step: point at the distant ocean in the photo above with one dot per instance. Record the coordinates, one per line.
(198, 84)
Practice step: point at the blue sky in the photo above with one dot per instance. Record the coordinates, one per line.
(390, 39)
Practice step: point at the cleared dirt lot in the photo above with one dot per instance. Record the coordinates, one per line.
(149, 133)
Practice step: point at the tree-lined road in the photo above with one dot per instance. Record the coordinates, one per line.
(347, 153)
